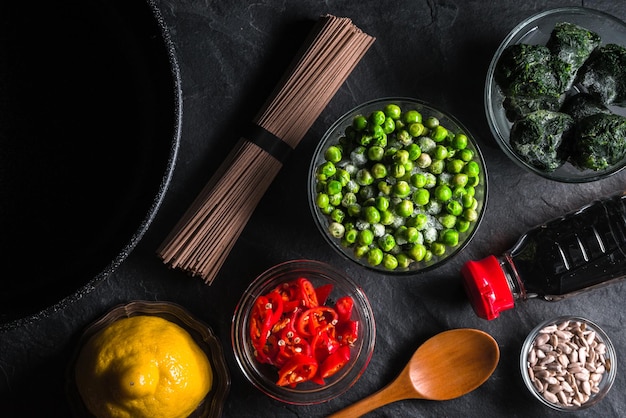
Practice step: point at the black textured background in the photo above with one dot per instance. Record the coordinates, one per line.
(231, 53)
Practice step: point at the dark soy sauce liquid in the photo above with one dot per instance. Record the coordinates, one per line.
(580, 250)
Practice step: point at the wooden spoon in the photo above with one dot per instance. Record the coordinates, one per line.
(448, 365)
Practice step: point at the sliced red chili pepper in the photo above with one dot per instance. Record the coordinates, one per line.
(344, 307)
(348, 332)
(324, 343)
(320, 318)
(323, 292)
(309, 296)
(334, 362)
(275, 305)
(298, 369)
(260, 322)
(290, 343)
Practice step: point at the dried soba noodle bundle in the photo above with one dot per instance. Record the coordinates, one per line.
(204, 236)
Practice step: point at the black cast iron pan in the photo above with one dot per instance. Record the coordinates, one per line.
(90, 111)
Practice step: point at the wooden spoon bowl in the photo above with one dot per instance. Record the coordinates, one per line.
(447, 366)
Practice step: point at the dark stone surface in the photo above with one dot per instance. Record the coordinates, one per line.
(231, 54)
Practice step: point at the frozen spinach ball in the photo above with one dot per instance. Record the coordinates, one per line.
(582, 105)
(604, 74)
(572, 45)
(600, 141)
(541, 138)
(526, 71)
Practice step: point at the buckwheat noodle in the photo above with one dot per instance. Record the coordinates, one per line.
(204, 236)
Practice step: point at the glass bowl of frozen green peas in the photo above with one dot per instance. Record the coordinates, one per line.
(397, 186)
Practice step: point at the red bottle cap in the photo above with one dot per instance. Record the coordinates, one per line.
(487, 287)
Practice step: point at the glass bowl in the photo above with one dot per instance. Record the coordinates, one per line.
(429, 235)
(553, 350)
(213, 405)
(536, 30)
(265, 376)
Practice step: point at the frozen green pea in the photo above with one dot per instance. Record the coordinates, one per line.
(374, 256)
(389, 125)
(359, 123)
(375, 153)
(351, 235)
(414, 151)
(371, 214)
(404, 208)
(437, 167)
(416, 129)
(348, 199)
(380, 140)
(401, 156)
(401, 189)
(336, 229)
(322, 200)
(354, 210)
(462, 225)
(382, 203)
(404, 136)
(424, 161)
(392, 111)
(472, 169)
(390, 262)
(377, 117)
(460, 180)
(448, 220)
(366, 237)
(459, 141)
(440, 152)
(454, 166)
(335, 199)
(342, 176)
(333, 154)
(333, 187)
(449, 237)
(454, 207)
(361, 250)
(384, 187)
(421, 196)
(397, 170)
(438, 249)
(466, 155)
(364, 177)
(443, 193)
(417, 180)
(386, 242)
(467, 200)
(387, 217)
(417, 252)
(338, 215)
(439, 133)
(403, 261)
(376, 132)
(411, 116)
(470, 214)
(431, 122)
(421, 221)
(473, 181)
(327, 169)
(412, 234)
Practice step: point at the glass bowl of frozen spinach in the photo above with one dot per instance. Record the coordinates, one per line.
(397, 186)
(555, 95)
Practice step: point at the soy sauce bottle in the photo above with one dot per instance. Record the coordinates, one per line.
(581, 250)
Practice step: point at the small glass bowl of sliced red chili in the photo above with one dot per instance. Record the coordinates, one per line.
(303, 332)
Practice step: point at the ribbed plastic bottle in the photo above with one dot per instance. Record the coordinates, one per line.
(581, 250)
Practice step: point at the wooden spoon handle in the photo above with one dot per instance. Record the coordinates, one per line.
(390, 393)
